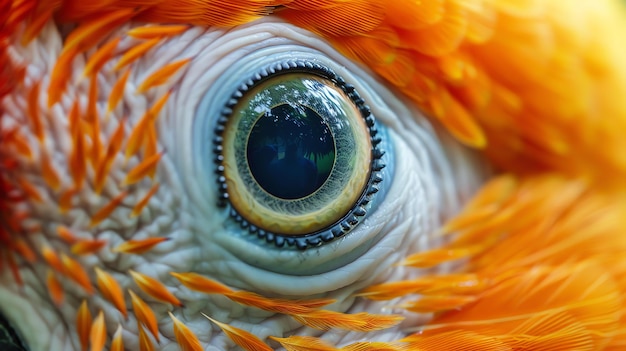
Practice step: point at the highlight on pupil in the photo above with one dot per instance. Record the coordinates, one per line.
(290, 151)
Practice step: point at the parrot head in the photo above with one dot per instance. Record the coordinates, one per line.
(312, 175)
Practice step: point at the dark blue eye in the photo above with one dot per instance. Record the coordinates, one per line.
(291, 151)
(298, 155)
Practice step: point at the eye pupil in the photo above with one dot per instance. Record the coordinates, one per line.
(290, 151)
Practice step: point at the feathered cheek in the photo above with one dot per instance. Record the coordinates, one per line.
(149, 164)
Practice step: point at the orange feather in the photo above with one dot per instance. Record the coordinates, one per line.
(77, 273)
(106, 211)
(100, 57)
(304, 343)
(85, 247)
(98, 333)
(35, 26)
(144, 201)
(117, 343)
(187, 340)
(136, 52)
(49, 174)
(139, 246)
(115, 144)
(143, 169)
(55, 289)
(145, 344)
(162, 75)
(111, 290)
(151, 32)
(363, 321)
(25, 250)
(201, 283)
(245, 339)
(83, 324)
(117, 91)
(144, 314)
(154, 288)
(34, 113)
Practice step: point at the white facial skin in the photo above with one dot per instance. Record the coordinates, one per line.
(428, 180)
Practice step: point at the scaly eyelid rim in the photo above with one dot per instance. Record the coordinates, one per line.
(359, 209)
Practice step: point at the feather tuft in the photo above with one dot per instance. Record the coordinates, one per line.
(187, 340)
(154, 288)
(245, 339)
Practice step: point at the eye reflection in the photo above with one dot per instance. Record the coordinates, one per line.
(298, 155)
(291, 140)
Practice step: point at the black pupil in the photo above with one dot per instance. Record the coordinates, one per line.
(290, 151)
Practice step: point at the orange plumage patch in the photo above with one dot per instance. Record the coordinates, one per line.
(308, 343)
(550, 283)
(548, 307)
(536, 84)
(375, 346)
(468, 283)
(437, 303)
(459, 58)
(35, 26)
(455, 340)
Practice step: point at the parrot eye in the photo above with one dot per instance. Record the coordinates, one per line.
(298, 155)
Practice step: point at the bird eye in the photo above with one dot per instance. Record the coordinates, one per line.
(298, 155)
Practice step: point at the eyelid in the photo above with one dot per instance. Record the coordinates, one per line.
(210, 78)
(211, 100)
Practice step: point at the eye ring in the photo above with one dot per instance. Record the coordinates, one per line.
(358, 209)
